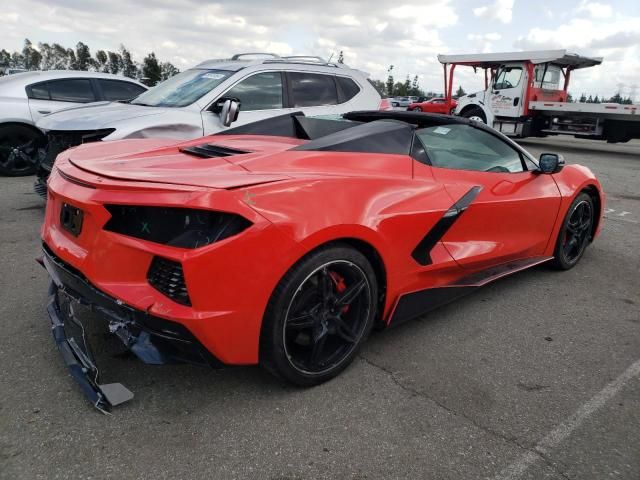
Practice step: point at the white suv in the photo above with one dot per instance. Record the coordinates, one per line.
(211, 97)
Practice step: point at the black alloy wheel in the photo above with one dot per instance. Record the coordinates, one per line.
(575, 233)
(21, 150)
(319, 315)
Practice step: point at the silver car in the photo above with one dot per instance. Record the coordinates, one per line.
(27, 97)
(212, 96)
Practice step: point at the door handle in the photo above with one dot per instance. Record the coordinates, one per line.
(44, 112)
(515, 101)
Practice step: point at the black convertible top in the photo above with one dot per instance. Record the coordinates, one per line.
(367, 131)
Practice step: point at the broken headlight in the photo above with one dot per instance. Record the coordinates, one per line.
(177, 227)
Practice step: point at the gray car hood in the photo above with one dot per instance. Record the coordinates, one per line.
(95, 116)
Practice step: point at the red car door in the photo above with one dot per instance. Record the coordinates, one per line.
(509, 210)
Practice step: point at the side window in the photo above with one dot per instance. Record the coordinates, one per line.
(311, 89)
(508, 77)
(39, 91)
(347, 89)
(72, 90)
(114, 90)
(463, 147)
(262, 91)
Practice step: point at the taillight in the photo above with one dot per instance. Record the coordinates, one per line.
(385, 104)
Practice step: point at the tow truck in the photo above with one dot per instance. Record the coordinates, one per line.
(523, 97)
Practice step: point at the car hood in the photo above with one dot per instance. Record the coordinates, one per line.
(95, 116)
(246, 160)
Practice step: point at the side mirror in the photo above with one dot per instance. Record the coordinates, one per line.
(227, 109)
(551, 162)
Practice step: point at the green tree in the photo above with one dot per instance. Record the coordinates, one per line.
(83, 56)
(569, 98)
(72, 62)
(5, 58)
(583, 98)
(460, 92)
(596, 100)
(114, 64)
(151, 71)
(129, 68)
(389, 84)
(167, 70)
(617, 98)
(32, 57)
(101, 61)
(590, 99)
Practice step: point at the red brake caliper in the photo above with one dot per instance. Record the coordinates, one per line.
(338, 281)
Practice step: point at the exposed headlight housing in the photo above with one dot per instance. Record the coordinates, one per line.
(177, 227)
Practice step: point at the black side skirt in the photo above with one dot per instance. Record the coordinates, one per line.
(414, 304)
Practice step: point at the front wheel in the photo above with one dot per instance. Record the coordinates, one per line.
(318, 316)
(20, 150)
(475, 113)
(575, 232)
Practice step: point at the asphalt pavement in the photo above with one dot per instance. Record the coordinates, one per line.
(536, 376)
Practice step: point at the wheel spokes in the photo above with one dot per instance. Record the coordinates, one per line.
(302, 321)
(319, 341)
(351, 293)
(343, 331)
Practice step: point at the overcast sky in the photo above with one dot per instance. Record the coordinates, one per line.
(373, 34)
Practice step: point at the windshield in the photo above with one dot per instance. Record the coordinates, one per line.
(182, 89)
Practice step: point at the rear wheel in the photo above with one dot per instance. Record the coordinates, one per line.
(417, 109)
(21, 149)
(318, 316)
(475, 113)
(575, 232)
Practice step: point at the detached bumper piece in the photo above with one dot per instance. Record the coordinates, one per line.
(153, 340)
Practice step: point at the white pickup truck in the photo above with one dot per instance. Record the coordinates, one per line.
(526, 95)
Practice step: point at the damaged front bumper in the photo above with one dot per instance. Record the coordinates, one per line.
(153, 340)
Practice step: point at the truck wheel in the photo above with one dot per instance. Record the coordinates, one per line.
(475, 113)
(20, 150)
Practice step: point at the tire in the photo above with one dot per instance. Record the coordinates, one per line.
(310, 332)
(417, 109)
(20, 150)
(475, 113)
(575, 233)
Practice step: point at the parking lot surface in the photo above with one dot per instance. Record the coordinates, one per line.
(536, 376)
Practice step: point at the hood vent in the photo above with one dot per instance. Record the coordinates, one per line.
(208, 150)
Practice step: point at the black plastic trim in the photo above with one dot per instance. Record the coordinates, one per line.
(421, 253)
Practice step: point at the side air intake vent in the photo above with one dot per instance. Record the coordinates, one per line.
(177, 227)
(166, 276)
(210, 151)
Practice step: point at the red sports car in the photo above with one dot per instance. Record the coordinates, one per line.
(283, 242)
(435, 105)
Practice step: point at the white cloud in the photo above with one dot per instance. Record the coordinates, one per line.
(595, 9)
(501, 10)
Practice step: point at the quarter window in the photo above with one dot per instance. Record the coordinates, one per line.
(508, 77)
(463, 147)
(77, 90)
(348, 87)
(114, 90)
(39, 91)
(262, 91)
(311, 89)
